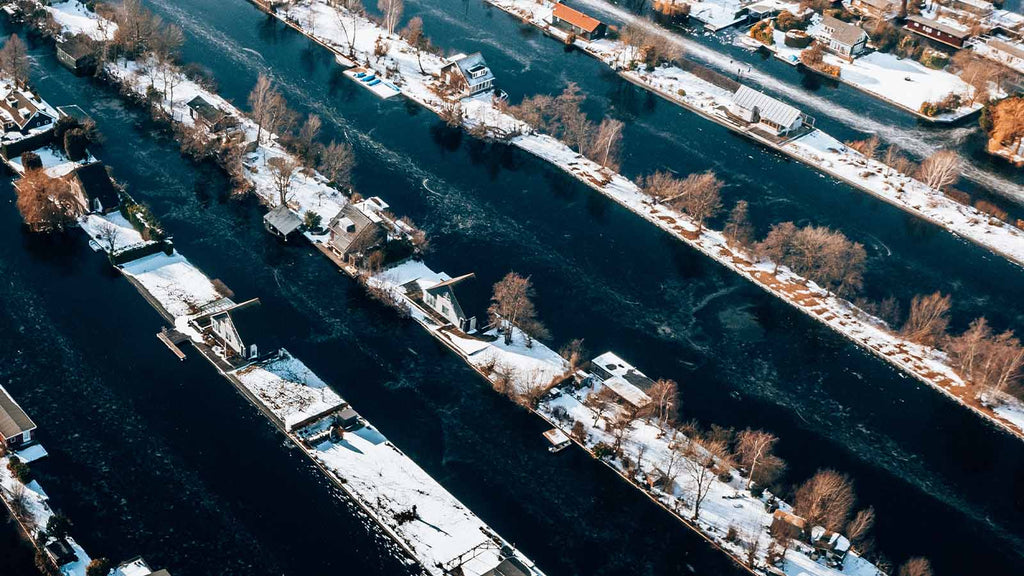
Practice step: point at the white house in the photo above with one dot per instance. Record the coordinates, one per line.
(467, 75)
(231, 327)
(440, 298)
(772, 115)
(622, 378)
(843, 39)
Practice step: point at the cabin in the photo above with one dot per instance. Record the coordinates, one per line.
(467, 76)
(841, 38)
(767, 113)
(578, 23)
(881, 9)
(789, 525)
(233, 329)
(622, 379)
(440, 298)
(355, 232)
(16, 428)
(77, 54)
(97, 190)
(347, 418)
(209, 116)
(939, 32)
(282, 222)
(829, 545)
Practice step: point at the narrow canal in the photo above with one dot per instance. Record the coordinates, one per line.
(148, 453)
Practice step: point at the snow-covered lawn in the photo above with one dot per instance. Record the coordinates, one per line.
(74, 16)
(727, 505)
(289, 389)
(124, 236)
(174, 282)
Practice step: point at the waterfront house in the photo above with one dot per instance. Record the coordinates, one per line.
(355, 232)
(28, 121)
(209, 116)
(623, 379)
(97, 191)
(440, 298)
(466, 76)
(1004, 51)
(841, 38)
(832, 546)
(60, 552)
(347, 418)
(281, 222)
(941, 32)
(578, 23)
(78, 54)
(137, 567)
(767, 113)
(233, 329)
(16, 428)
(882, 9)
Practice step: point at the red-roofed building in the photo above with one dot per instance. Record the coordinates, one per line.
(577, 22)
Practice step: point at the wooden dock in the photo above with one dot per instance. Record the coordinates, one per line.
(171, 339)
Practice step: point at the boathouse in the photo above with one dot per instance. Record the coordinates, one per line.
(467, 76)
(774, 116)
(623, 379)
(441, 299)
(841, 38)
(16, 428)
(78, 54)
(578, 23)
(939, 32)
(355, 232)
(281, 222)
(97, 190)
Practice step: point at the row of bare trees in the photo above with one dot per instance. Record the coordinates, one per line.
(985, 358)
(824, 255)
(698, 195)
(562, 117)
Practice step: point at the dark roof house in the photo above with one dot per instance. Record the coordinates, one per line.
(60, 552)
(577, 22)
(78, 54)
(354, 233)
(98, 191)
(15, 426)
(467, 75)
(209, 116)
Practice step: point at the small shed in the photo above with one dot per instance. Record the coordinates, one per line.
(16, 427)
(98, 190)
(558, 440)
(347, 418)
(282, 222)
(78, 54)
(789, 525)
(578, 23)
(207, 115)
(75, 112)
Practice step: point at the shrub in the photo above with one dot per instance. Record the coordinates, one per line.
(31, 161)
(762, 32)
(98, 567)
(19, 469)
(934, 59)
(312, 220)
(786, 21)
(602, 450)
(991, 209)
(76, 144)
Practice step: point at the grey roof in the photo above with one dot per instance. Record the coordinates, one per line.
(471, 63)
(843, 32)
(342, 239)
(510, 566)
(77, 47)
(207, 111)
(283, 220)
(768, 108)
(13, 420)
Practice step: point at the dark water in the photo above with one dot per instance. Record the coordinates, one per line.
(944, 484)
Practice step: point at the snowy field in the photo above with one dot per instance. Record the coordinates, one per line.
(289, 389)
(112, 230)
(174, 282)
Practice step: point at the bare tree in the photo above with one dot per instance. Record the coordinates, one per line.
(574, 353)
(987, 359)
(307, 136)
(268, 107)
(14, 62)
(576, 129)
(1008, 122)
(866, 147)
(928, 318)
(916, 567)
(738, 229)
(778, 244)
(337, 161)
(512, 307)
(825, 499)
(941, 169)
(136, 27)
(283, 168)
(699, 466)
(391, 12)
(607, 143)
(701, 197)
(664, 394)
(350, 22)
(413, 34)
(754, 448)
(47, 204)
(661, 186)
(859, 528)
(108, 236)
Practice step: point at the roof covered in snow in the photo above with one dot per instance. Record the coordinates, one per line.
(768, 108)
(622, 378)
(474, 69)
(13, 420)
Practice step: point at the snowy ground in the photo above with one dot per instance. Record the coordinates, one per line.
(173, 281)
(73, 15)
(38, 508)
(728, 504)
(125, 237)
(55, 162)
(901, 81)
(289, 389)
